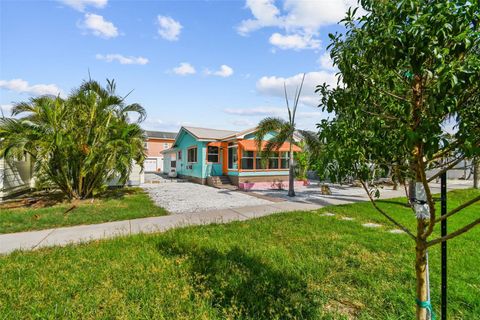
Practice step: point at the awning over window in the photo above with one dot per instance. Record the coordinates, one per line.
(251, 145)
(214, 144)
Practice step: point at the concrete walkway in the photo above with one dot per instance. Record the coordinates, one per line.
(67, 235)
(76, 234)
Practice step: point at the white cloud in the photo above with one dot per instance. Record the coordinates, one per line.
(265, 14)
(22, 86)
(264, 111)
(305, 15)
(294, 41)
(80, 5)
(249, 117)
(168, 28)
(224, 71)
(122, 59)
(243, 123)
(164, 125)
(184, 68)
(274, 86)
(325, 62)
(5, 110)
(99, 26)
(257, 111)
(301, 20)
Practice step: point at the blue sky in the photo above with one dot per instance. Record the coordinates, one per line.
(219, 64)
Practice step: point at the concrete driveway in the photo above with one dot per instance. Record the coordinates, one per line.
(347, 194)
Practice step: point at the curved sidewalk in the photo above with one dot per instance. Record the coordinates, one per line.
(68, 235)
(76, 234)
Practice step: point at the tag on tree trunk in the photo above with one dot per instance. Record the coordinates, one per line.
(422, 209)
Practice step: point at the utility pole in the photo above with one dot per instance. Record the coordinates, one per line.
(476, 172)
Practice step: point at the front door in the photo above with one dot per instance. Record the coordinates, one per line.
(233, 158)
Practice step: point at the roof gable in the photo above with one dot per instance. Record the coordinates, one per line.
(208, 134)
(161, 135)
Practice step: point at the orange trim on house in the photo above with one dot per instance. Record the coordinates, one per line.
(224, 150)
(239, 157)
(215, 144)
(251, 145)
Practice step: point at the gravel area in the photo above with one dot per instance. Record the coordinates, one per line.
(186, 197)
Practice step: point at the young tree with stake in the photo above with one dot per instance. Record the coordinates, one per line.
(406, 68)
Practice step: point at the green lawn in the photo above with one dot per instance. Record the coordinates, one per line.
(296, 265)
(119, 204)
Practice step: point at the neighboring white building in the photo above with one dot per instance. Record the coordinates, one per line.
(169, 161)
(15, 177)
(136, 178)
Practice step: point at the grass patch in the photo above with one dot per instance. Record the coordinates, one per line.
(298, 265)
(51, 211)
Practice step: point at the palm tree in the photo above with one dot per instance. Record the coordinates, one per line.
(77, 144)
(285, 131)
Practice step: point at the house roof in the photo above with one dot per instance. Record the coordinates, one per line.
(209, 134)
(216, 134)
(251, 145)
(161, 135)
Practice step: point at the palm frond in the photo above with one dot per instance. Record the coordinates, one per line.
(266, 126)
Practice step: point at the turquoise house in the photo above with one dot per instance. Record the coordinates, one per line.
(210, 156)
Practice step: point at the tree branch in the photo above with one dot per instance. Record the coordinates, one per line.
(389, 93)
(450, 166)
(457, 209)
(442, 153)
(393, 95)
(454, 234)
(384, 116)
(385, 214)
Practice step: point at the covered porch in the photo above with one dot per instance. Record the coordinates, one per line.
(242, 162)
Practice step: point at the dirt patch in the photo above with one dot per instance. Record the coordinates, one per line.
(345, 308)
(43, 199)
(33, 200)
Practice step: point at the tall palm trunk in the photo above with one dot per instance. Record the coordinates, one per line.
(291, 174)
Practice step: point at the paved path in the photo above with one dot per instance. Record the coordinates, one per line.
(76, 234)
(83, 233)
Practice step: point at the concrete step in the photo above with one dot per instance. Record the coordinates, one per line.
(220, 179)
(221, 182)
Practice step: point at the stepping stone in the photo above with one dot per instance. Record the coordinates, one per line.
(348, 218)
(396, 231)
(371, 225)
(327, 214)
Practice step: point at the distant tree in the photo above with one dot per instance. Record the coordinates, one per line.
(405, 69)
(79, 143)
(285, 131)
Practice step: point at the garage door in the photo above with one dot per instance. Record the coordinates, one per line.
(150, 165)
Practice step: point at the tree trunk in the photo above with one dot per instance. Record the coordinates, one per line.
(476, 172)
(406, 192)
(411, 190)
(291, 175)
(421, 272)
